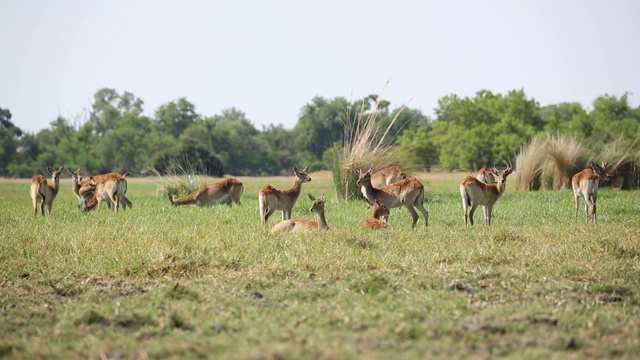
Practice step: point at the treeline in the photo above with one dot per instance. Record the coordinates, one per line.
(468, 133)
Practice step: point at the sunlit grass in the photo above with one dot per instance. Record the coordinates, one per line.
(160, 281)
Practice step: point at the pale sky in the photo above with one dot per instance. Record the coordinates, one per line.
(270, 58)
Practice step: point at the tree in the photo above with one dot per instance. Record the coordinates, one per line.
(108, 105)
(176, 116)
(9, 140)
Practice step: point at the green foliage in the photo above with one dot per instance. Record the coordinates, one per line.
(484, 130)
(191, 155)
(466, 133)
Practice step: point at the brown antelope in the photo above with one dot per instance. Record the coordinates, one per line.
(379, 218)
(83, 189)
(407, 192)
(486, 176)
(109, 187)
(317, 206)
(384, 177)
(585, 184)
(221, 192)
(44, 193)
(475, 193)
(271, 199)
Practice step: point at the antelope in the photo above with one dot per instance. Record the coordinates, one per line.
(317, 206)
(84, 189)
(486, 176)
(585, 184)
(44, 193)
(221, 192)
(475, 193)
(271, 199)
(379, 218)
(108, 187)
(407, 192)
(384, 177)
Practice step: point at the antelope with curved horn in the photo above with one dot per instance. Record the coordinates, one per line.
(317, 206)
(475, 193)
(222, 192)
(44, 193)
(407, 192)
(379, 218)
(585, 184)
(271, 199)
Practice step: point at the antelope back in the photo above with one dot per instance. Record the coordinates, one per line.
(387, 176)
(486, 176)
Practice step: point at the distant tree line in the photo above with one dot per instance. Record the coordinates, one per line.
(468, 133)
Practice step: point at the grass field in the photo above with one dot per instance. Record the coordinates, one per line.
(164, 282)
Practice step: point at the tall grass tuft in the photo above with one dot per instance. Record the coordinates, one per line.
(564, 158)
(180, 178)
(529, 164)
(362, 148)
(624, 164)
(550, 163)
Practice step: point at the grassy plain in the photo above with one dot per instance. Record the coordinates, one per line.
(164, 282)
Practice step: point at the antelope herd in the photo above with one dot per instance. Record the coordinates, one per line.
(383, 190)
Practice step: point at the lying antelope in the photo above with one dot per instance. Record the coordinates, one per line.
(271, 199)
(486, 176)
(407, 192)
(585, 184)
(317, 206)
(109, 187)
(379, 218)
(84, 189)
(475, 193)
(222, 192)
(44, 193)
(384, 177)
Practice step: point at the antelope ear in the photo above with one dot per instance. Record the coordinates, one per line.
(305, 169)
(295, 168)
(370, 172)
(358, 172)
(61, 168)
(311, 197)
(323, 198)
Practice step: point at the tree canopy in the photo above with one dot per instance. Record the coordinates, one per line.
(466, 132)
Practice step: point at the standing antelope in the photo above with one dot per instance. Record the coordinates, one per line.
(379, 218)
(407, 192)
(585, 184)
(109, 187)
(44, 193)
(84, 189)
(486, 176)
(271, 199)
(317, 206)
(384, 177)
(221, 192)
(475, 193)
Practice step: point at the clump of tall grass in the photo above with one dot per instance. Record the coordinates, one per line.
(528, 163)
(565, 156)
(180, 177)
(550, 163)
(623, 163)
(362, 148)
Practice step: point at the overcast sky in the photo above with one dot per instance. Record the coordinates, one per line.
(270, 58)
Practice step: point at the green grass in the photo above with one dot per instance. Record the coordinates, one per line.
(165, 282)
